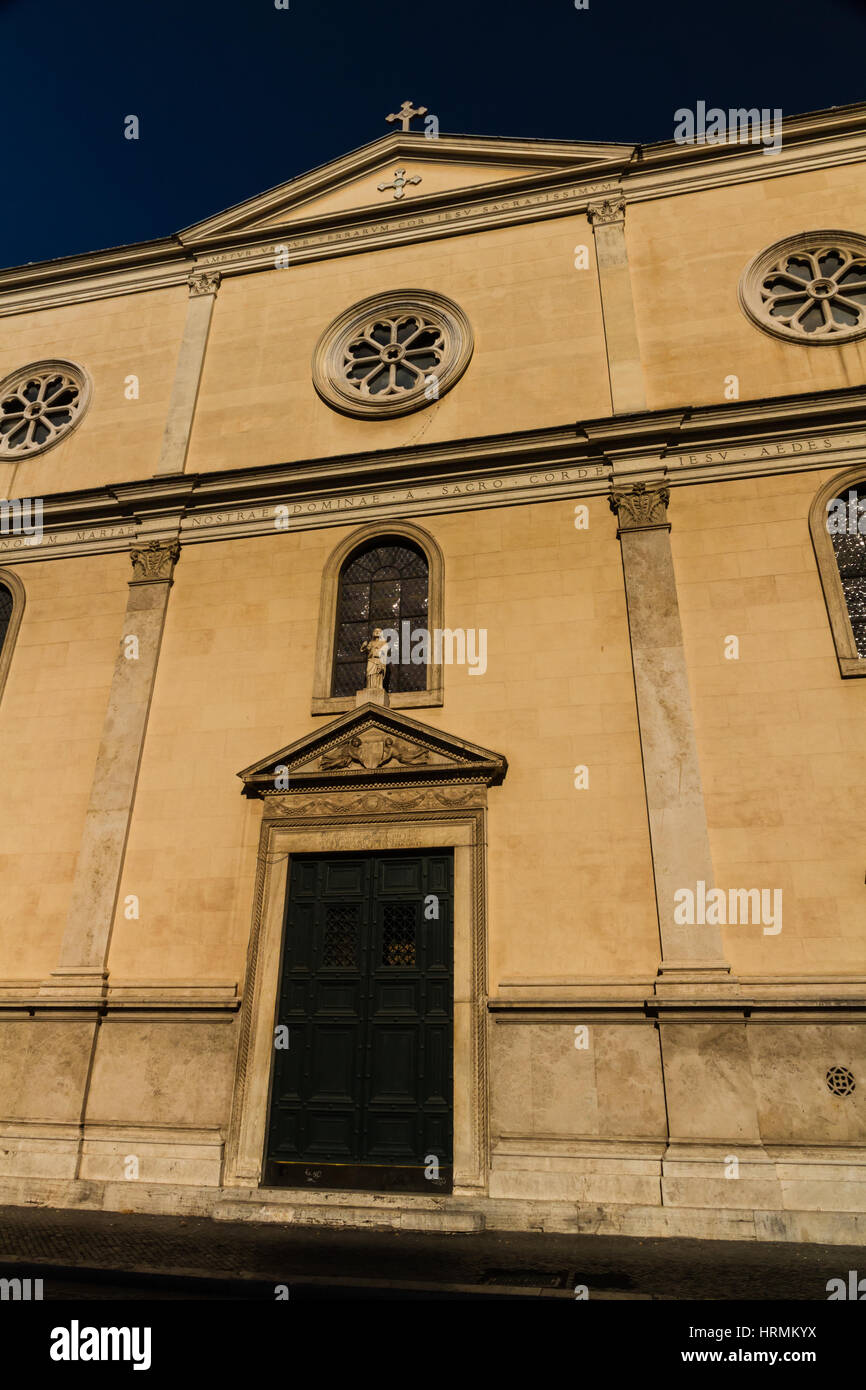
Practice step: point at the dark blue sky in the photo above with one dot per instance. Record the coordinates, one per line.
(235, 96)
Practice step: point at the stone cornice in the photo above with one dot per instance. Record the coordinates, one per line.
(132, 997)
(767, 999)
(97, 275)
(816, 140)
(575, 175)
(701, 444)
(172, 264)
(724, 166)
(799, 129)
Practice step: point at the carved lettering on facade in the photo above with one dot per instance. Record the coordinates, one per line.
(785, 448)
(395, 225)
(426, 496)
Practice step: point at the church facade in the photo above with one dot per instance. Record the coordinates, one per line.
(435, 590)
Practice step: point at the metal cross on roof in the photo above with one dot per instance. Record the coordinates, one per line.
(406, 113)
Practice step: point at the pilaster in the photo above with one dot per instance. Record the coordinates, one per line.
(675, 799)
(607, 218)
(81, 975)
(709, 1089)
(203, 287)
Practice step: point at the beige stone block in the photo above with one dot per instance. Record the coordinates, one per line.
(43, 1069)
(51, 1155)
(162, 1073)
(160, 1156)
(790, 1066)
(709, 1085)
(543, 1084)
(702, 1190)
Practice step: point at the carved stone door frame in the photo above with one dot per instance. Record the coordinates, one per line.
(346, 822)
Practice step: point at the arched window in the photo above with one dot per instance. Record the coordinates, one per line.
(844, 520)
(383, 584)
(5, 614)
(838, 525)
(387, 576)
(11, 609)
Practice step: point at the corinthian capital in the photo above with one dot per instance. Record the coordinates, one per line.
(607, 210)
(203, 282)
(155, 562)
(640, 507)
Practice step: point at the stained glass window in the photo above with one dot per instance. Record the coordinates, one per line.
(849, 546)
(5, 613)
(384, 584)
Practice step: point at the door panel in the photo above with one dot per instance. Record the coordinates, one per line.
(362, 1097)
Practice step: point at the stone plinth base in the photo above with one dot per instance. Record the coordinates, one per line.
(458, 1213)
(372, 697)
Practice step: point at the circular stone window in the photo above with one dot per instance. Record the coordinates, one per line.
(809, 288)
(39, 406)
(392, 353)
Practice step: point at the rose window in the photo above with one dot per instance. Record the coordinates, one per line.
(392, 354)
(38, 406)
(812, 288)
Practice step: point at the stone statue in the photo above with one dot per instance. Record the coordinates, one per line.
(375, 651)
(342, 756)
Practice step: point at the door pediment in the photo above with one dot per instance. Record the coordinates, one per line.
(372, 746)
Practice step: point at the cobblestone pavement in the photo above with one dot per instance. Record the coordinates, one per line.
(249, 1258)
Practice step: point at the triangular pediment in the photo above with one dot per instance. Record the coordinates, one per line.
(447, 166)
(372, 745)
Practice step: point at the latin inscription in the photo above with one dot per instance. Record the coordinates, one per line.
(544, 479)
(787, 448)
(267, 250)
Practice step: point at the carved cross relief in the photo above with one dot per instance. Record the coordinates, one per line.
(400, 182)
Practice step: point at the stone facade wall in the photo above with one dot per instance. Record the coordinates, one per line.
(135, 1037)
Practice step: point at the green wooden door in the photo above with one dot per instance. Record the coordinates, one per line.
(362, 1094)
